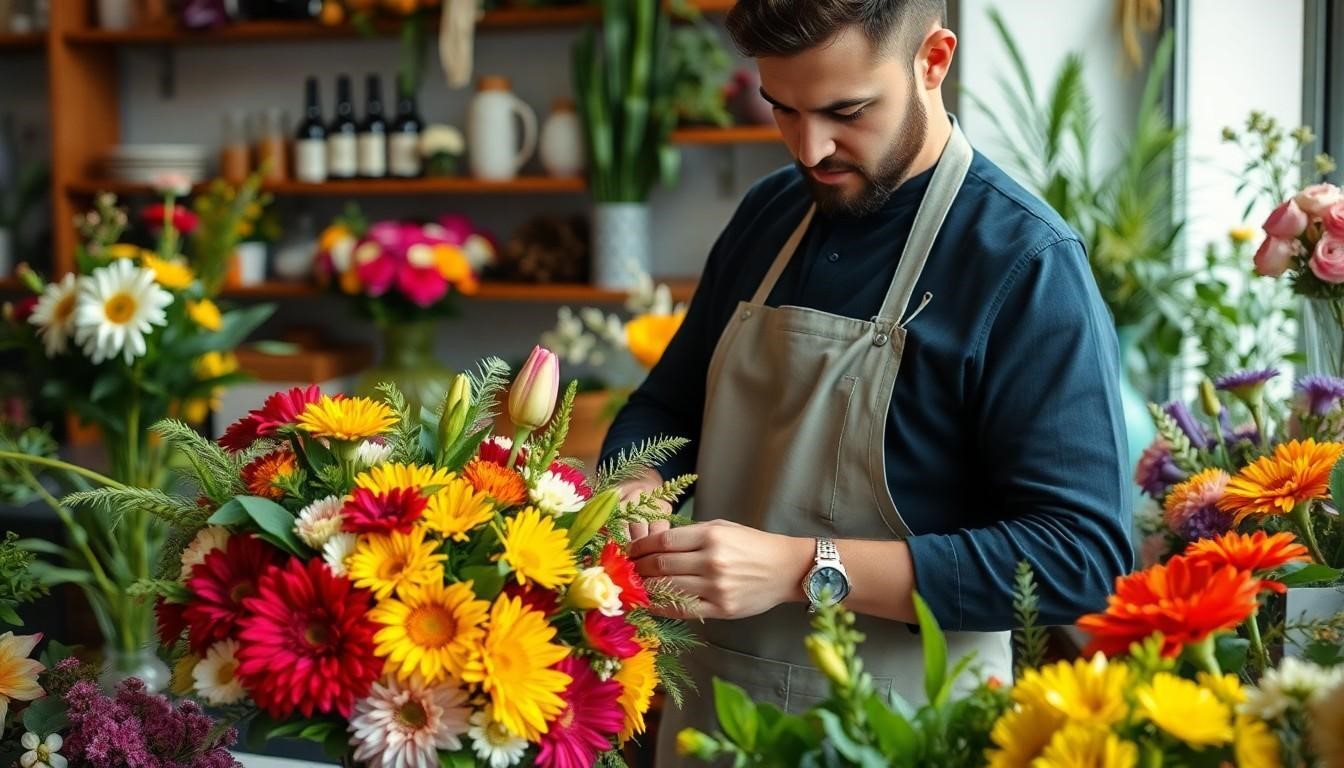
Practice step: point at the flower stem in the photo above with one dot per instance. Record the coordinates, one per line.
(58, 464)
(1201, 655)
(519, 435)
(1301, 517)
(1258, 652)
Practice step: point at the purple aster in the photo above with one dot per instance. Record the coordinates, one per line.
(1321, 391)
(1246, 385)
(140, 728)
(1205, 523)
(1179, 413)
(1157, 470)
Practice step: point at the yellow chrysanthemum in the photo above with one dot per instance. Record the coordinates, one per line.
(205, 314)
(638, 678)
(353, 418)
(513, 666)
(1082, 690)
(386, 478)
(431, 629)
(1255, 745)
(125, 251)
(1022, 733)
(1080, 745)
(1183, 709)
(1298, 472)
(647, 336)
(383, 563)
(537, 550)
(457, 510)
(171, 274)
(1226, 687)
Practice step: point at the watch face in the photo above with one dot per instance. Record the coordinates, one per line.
(828, 585)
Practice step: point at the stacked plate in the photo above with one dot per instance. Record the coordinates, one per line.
(143, 163)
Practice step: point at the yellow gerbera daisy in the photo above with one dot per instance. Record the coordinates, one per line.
(171, 274)
(1273, 485)
(1226, 687)
(1087, 691)
(386, 478)
(513, 667)
(1080, 745)
(125, 251)
(638, 679)
(1254, 744)
(1021, 734)
(431, 629)
(353, 418)
(458, 509)
(205, 314)
(1183, 709)
(386, 562)
(537, 550)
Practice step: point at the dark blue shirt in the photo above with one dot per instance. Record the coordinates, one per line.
(1005, 439)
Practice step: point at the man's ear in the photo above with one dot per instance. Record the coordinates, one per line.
(935, 57)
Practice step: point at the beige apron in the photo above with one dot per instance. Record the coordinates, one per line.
(793, 442)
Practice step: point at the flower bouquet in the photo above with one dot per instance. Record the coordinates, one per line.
(408, 588)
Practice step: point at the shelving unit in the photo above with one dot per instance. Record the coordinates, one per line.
(489, 291)
(533, 185)
(737, 134)
(22, 43)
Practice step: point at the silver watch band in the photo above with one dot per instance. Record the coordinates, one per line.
(826, 550)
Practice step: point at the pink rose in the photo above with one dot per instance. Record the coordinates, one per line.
(1287, 221)
(1333, 219)
(1317, 199)
(1274, 256)
(1327, 262)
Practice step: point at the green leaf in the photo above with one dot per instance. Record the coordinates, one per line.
(103, 386)
(853, 751)
(229, 513)
(43, 546)
(1301, 574)
(1337, 483)
(53, 576)
(46, 716)
(487, 581)
(935, 653)
(463, 759)
(54, 653)
(1230, 652)
(235, 327)
(9, 616)
(276, 522)
(895, 736)
(737, 714)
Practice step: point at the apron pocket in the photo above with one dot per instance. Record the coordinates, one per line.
(841, 405)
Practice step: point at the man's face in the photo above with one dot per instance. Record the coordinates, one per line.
(851, 117)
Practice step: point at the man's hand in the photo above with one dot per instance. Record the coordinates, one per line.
(735, 571)
(630, 491)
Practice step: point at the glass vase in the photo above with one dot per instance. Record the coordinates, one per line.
(1323, 336)
(408, 362)
(141, 662)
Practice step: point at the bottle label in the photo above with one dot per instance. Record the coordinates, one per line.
(372, 155)
(405, 154)
(342, 160)
(310, 161)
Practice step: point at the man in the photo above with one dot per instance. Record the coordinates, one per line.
(897, 374)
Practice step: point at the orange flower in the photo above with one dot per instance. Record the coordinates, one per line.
(503, 485)
(647, 336)
(1253, 552)
(260, 476)
(1186, 600)
(1274, 485)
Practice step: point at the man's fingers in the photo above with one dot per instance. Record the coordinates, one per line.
(658, 526)
(686, 539)
(670, 564)
(638, 530)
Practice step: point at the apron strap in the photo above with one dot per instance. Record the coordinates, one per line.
(782, 260)
(943, 188)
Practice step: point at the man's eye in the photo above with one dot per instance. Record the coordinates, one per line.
(851, 117)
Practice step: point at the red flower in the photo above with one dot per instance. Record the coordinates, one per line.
(220, 584)
(23, 309)
(574, 477)
(171, 621)
(1253, 552)
(539, 599)
(280, 409)
(397, 510)
(610, 635)
(307, 642)
(184, 221)
(623, 575)
(592, 716)
(495, 449)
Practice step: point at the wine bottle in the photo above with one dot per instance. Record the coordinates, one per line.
(404, 141)
(310, 141)
(373, 132)
(343, 135)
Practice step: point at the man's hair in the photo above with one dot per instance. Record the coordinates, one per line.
(787, 27)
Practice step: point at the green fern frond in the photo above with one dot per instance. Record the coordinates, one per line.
(490, 379)
(611, 759)
(1029, 636)
(548, 447)
(674, 678)
(177, 511)
(216, 471)
(171, 589)
(405, 437)
(631, 462)
(170, 552)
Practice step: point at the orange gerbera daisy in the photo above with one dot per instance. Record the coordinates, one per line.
(504, 485)
(261, 476)
(1273, 485)
(1250, 552)
(1186, 600)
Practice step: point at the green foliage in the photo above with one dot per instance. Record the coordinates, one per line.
(18, 584)
(630, 463)
(1029, 638)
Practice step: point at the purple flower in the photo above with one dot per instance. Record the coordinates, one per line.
(1157, 471)
(1186, 421)
(1205, 523)
(1232, 436)
(1322, 392)
(141, 729)
(1246, 386)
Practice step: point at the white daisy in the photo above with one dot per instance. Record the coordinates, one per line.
(215, 678)
(207, 540)
(118, 305)
(54, 314)
(41, 751)
(404, 724)
(319, 521)
(371, 453)
(1291, 683)
(555, 495)
(337, 550)
(495, 744)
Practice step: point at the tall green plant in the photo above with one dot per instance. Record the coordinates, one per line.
(623, 80)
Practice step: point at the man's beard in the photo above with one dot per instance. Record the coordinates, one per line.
(878, 185)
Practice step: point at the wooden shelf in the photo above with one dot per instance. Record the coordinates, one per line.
(737, 134)
(488, 291)
(11, 285)
(34, 41)
(531, 185)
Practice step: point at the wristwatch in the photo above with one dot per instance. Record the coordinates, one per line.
(827, 583)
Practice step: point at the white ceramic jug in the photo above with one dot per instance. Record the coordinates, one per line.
(493, 145)
(561, 148)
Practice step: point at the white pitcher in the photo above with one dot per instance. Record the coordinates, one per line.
(493, 146)
(561, 147)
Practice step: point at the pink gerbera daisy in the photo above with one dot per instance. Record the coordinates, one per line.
(610, 635)
(219, 585)
(307, 642)
(591, 718)
(396, 510)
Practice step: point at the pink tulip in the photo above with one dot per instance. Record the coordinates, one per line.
(1327, 261)
(1274, 256)
(1287, 221)
(1333, 219)
(535, 390)
(1316, 199)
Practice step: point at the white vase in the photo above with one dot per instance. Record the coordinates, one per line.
(6, 252)
(251, 258)
(116, 14)
(561, 146)
(495, 147)
(622, 247)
